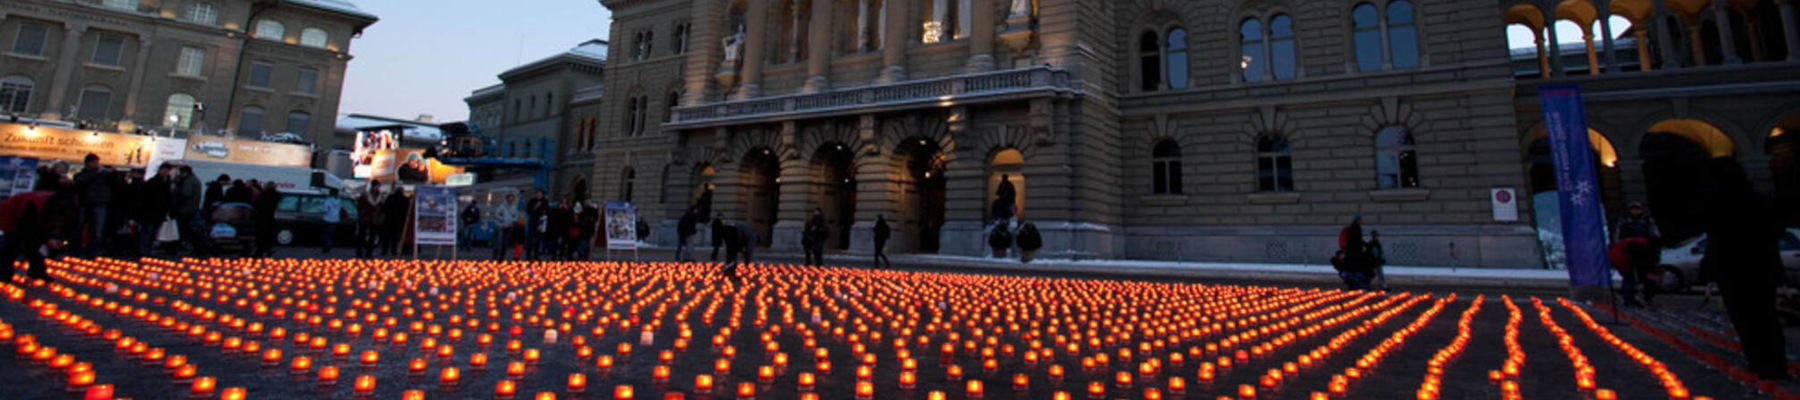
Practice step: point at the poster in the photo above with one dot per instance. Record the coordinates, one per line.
(1506, 204)
(1578, 195)
(163, 150)
(370, 143)
(621, 225)
(51, 143)
(434, 213)
(248, 151)
(17, 174)
(409, 167)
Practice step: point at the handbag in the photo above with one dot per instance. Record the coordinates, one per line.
(169, 232)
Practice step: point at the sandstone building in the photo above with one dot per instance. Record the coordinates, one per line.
(1216, 130)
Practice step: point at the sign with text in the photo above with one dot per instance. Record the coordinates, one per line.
(621, 225)
(248, 151)
(434, 216)
(1506, 204)
(163, 150)
(51, 143)
(17, 174)
(1578, 195)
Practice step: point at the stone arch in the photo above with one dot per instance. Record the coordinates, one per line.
(742, 142)
(899, 132)
(1393, 112)
(1715, 141)
(814, 137)
(995, 139)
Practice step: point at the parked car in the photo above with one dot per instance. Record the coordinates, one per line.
(300, 217)
(1681, 264)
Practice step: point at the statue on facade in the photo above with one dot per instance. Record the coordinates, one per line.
(733, 44)
(1020, 8)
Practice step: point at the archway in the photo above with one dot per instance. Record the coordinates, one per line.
(702, 199)
(760, 179)
(1606, 158)
(1784, 166)
(1007, 164)
(1675, 153)
(834, 172)
(923, 191)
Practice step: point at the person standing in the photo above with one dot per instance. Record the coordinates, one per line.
(882, 233)
(589, 219)
(1351, 260)
(506, 216)
(684, 230)
(368, 219)
(395, 210)
(215, 190)
(94, 185)
(556, 229)
(1377, 261)
(33, 220)
(262, 213)
(185, 207)
(535, 225)
(471, 216)
(121, 225)
(153, 209)
(1743, 255)
(333, 213)
(813, 237)
(1636, 224)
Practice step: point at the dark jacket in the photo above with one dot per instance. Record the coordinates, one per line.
(239, 194)
(561, 219)
(1030, 238)
(1350, 240)
(215, 192)
(367, 212)
(882, 232)
(393, 210)
(590, 218)
(154, 206)
(471, 215)
(816, 231)
(1742, 243)
(263, 211)
(186, 199)
(94, 186)
(1640, 227)
(686, 227)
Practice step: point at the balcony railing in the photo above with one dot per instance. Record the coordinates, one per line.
(955, 88)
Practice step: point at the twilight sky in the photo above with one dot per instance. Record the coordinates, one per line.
(424, 56)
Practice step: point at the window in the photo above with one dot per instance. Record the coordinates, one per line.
(1177, 58)
(669, 105)
(95, 104)
(642, 45)
(299, 122)
(1397, 166)
(1403, 40)
(1274, 164)
(549, 104)
(1401, 46)
(191, 62)
(1367, 24)
(306, 80)
(945, 20)
(269, 29)
(109, 50)
(202, 13)
(30, 40)
(628, 182)
(534, 108)
(1150, 62)
(124, 5)
(15, 93)
(1165, 164)
(636, 115)
(180, 113)
(313, 37)
(250, 121)
(681, 38)
(518, 110)
(260, 74)
(1267, 54)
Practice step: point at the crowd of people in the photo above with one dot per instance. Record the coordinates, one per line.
(539, 229)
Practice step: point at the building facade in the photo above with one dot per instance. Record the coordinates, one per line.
(552, 98)
(1211, 130)
(247, 66)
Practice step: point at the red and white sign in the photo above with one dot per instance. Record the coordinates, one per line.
(1506, 204)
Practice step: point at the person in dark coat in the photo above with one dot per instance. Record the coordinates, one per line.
(535, 225)
(813, 237)
(394, 212)
(740, 239)
(1637, 224)
(368, 220)
(153, 206)
(32, 220)
(882, 233)
(589, 218)
(556, 228)
(184, 205)
(471, 216)
(1632, 257)
(684, 230)
(262, 213)
(94, 185)
(239, 192)
(215, 190)
(717, 238)
(1743, 255)
(121, 221)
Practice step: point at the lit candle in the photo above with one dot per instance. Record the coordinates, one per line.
(806, 381)
(80, 380)
(99, 392)
(577, 382)
(703, 383)
(746, 391)
(203, 386)
(232, 393)
(328, 375)
(365, 384)
(505, 389)
(623, 392)
(449, 375)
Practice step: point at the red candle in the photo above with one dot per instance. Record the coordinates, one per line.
(203, 386)
(577, 382)
(505, 389)
(99, 392)
(365, 384)
(449, 375)
(328, 375)
(232, 393)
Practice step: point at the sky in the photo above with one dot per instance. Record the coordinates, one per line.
(1520, 37)
(425, 56)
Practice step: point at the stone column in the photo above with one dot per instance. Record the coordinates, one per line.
(1643, 47)
(1727, 46)
(1665, 34)
(965, 192)
(1556, 65)
(877, 191)
(795, 186)
(756, 32)
(893, 45)
(1543, 55)
(796, 36)
(1699, 46)
(1790, 28)
(1606, 38)
(137, 80)
(67, 64)
(818, 57)
(981, 36)
(1593, 60)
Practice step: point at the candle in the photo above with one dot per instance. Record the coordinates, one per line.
(806, 381)
(80, 380)
(623, 392)
(328, 375)
(865, 390)
(703, 383)
(577, 382)
(448, 376)
(908, 380)
(365, 384)
(746, 391)
(99, 392)
(505, 389)
(232, 393)
(203, 386)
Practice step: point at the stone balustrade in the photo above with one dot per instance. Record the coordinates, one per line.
(960, 89)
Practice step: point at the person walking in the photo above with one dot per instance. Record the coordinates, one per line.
(882, 233)
(1351, 260)
(34, 220)
(813, 237)
(1743, 255)
(94, 186)
(333, 210)
(368, 220)
(262, 213)
(153, 210)
(685, 229)
(185, 208)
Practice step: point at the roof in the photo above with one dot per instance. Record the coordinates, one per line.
(338, 6)
(592, 52)
(589, 93)
(415, 132)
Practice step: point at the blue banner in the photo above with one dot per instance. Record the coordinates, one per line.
(1578, 192)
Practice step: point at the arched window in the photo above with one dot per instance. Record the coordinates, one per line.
(250, 121)
(1250, 38)
(1165, 164)
(269, 29)
(180, 112)
(669, 104)
(15, 93)
(549, 105)
(1150, 60)
(95, 103)
(202, 13)
(1396, 164)
(681, 38)
(1274, 164)
(299, 122)
(627, 183)
(1403, 37)
(1365, 21)
(1177, 58)
(1281, 47)
(314, 37)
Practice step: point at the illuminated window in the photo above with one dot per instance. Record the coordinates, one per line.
(1396, 164)
(202, 13)
(270, 30)
(314, 37)
(180, 111)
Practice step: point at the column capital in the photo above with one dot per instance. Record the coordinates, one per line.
(74, 28)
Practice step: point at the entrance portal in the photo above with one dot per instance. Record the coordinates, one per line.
(760, 178)
(923, 203)
(834, 168)
(1784, 165)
